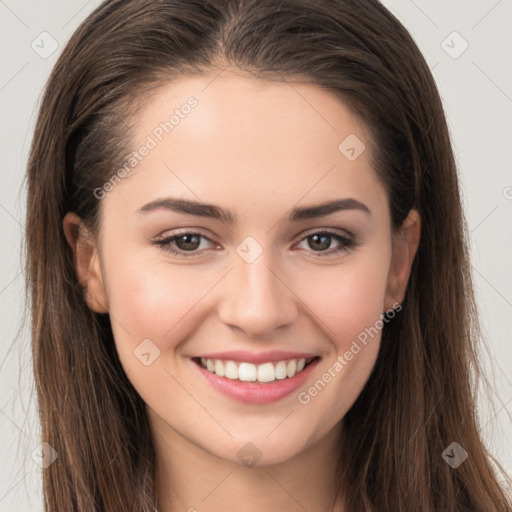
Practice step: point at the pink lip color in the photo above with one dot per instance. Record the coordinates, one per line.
(269, 356)
(257, 392)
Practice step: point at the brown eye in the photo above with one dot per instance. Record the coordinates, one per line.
(321, 241)
(188, 243)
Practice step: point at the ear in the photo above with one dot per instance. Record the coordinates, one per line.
(87, 262)
(405, 246)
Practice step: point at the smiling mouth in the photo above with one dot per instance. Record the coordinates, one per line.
(248, 372)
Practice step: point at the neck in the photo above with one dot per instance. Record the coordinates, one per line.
(188, 478)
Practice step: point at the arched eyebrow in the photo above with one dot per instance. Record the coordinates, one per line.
(199, 209)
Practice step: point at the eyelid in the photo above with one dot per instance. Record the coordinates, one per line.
(199, 231)
(333, 231)
(347, 241)
(177, 234)
(169, 233)
(165, 239)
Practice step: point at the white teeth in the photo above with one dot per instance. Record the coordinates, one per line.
(231, 370)
(248, 372)
(219, 368)
(281, 370)
(291, 369)
(266, 372)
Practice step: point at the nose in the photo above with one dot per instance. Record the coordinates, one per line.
(257, 297)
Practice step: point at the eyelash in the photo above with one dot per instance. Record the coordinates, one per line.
(345, 243)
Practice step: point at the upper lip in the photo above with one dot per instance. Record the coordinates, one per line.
(270, 356)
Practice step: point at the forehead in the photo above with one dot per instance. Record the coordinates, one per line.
(236, 108)
(244, 141)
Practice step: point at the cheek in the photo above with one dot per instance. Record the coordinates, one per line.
(348, 302)
(150, 299)
(156, 300)
(163, 302)
(154, 308)
(346, 299)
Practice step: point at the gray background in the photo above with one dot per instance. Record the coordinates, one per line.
(475, 83)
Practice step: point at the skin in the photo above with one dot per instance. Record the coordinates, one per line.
(259, 149)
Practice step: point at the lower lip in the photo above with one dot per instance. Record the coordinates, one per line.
(257, 392)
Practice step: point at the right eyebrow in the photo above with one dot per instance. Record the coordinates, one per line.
(215, 212)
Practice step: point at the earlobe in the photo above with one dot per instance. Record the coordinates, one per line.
(87, 262)
(405, 247)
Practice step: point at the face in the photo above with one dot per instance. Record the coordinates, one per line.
(224, 276)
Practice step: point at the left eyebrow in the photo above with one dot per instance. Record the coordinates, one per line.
(322, 209)
(215, 212)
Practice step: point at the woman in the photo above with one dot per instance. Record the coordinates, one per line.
(249, 267)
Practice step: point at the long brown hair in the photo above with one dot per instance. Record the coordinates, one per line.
(420, 396)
